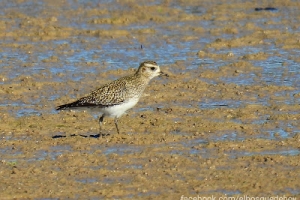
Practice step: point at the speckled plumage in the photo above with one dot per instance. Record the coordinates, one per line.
(114, 98)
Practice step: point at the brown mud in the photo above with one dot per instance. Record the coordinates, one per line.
(201, 131)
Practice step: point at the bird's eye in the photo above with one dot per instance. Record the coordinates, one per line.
(152, 68)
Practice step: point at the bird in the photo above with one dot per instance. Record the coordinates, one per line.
(115, 98)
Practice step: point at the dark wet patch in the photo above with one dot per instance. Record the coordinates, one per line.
(266, 9)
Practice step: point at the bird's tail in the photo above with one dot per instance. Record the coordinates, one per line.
(66, 106)
(76, 105)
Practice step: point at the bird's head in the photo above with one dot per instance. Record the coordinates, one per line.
(150, 69)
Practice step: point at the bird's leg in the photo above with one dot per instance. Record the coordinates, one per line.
(100, 123)
(116, 123)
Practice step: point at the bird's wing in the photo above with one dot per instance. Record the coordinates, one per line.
(110, 94)
(113, 93)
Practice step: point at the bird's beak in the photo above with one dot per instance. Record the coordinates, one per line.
(163, 74)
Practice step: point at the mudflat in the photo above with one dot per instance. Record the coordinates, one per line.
(225, 123)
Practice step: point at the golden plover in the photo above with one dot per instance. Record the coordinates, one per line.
(115, 98)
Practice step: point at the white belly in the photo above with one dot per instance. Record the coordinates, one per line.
(118, 110)
(113, 111)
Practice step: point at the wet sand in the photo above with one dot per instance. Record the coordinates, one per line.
(224, 123)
